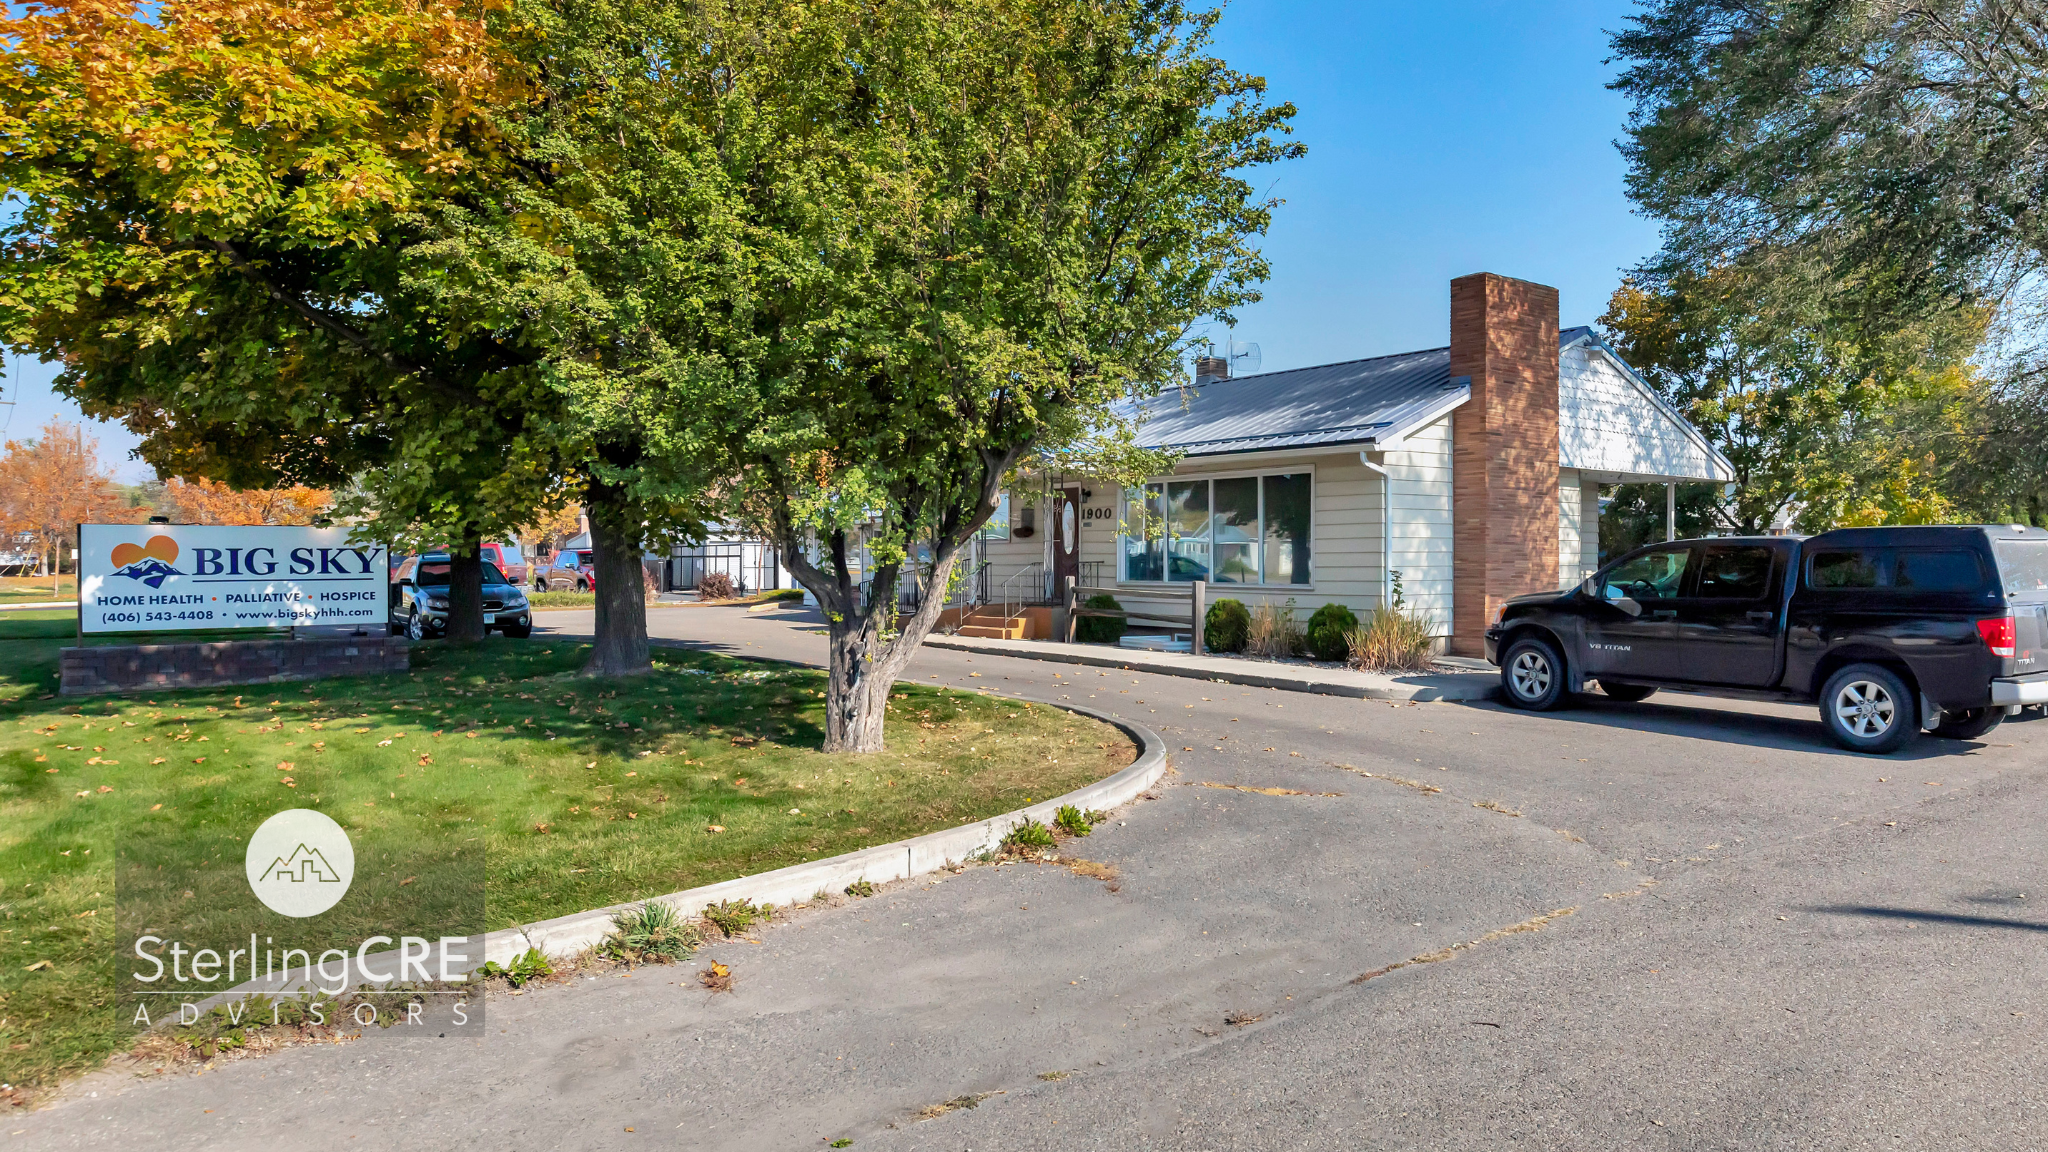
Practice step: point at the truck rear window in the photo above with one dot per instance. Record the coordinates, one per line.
(2023, 564)
(1897, 569)
(1859, 569)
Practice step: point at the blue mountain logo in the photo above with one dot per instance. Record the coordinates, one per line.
(149, 570)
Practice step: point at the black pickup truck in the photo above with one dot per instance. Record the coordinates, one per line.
(1888, 630)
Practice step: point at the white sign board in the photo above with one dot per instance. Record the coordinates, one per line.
(166, 577)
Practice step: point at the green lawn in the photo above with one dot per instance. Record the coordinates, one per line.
(32, 589)
(586, 793)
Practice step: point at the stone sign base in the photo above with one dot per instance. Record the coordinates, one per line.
(143, 667)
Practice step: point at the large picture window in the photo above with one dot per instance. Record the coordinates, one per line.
(1233, 530)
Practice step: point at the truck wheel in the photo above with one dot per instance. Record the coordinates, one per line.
(1968, 724)
(1532, 675)
(1627, 693)
(1867, 708)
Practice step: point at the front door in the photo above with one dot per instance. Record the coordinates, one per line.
(1632, 631)
(1728, 624)
(1066, 538)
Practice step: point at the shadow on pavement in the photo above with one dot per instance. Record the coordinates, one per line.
(1930, 917)
(1666, 714)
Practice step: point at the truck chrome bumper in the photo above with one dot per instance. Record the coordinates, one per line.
(2007, 693)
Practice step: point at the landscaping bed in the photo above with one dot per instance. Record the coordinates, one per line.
(587, 793)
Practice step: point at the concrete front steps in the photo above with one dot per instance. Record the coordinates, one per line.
(986, 622)
(993, 628)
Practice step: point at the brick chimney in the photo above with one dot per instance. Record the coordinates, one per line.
(1504, 501)
(1208, 368)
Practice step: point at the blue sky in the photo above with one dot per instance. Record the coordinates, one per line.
(1444, 138)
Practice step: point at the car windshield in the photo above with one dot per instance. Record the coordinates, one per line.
(434, 574)
(2023, 566)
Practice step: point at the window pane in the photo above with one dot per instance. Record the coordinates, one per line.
(1937, 572)
(2024, 565)
(1844, 570)
(998, 526)
(1651, 576)
(1237, 530)
(1287, 528)
(1735, 572)
(1187, 525)
(1142, 551)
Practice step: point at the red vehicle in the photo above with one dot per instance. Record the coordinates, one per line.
(510, 560)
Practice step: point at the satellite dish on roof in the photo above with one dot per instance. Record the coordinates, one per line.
(1244, 358)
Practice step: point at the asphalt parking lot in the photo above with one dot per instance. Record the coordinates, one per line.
(1683, 923)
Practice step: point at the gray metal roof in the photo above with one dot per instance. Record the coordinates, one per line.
(1354, 402)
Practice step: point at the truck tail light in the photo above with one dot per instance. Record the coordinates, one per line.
(2000, 635)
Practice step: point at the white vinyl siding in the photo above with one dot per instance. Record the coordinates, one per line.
(1606, 422)
(1421, 473)
(1589, 531)
(1570, 527)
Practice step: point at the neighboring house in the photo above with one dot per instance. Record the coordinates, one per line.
(754, 565)
(1472, 471)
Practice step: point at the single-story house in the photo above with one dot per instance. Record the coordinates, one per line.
(1459, 475)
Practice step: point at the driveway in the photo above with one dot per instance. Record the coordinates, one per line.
(1675, 924)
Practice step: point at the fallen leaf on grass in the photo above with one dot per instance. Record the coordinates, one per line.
(407, 880)
(39, 966)
(383, 743)
(714, 827)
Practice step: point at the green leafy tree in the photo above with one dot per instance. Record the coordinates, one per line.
(842, 267)
(1895, 148)
(231, 230)
(1827, 418)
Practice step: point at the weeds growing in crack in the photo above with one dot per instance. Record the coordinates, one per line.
(1419, 786)
(934, 1111)
(1532, 924)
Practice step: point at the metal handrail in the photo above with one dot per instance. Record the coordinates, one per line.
(1017, 582)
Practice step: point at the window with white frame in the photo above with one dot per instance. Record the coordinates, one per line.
(1223, 529)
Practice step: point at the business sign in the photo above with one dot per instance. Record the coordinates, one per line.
(168, 577)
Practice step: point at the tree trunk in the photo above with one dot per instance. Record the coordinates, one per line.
(621, 648)
(466, 593)
(857, 691)
(863, 667)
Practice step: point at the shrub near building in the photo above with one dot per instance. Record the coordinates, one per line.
(1227, 626)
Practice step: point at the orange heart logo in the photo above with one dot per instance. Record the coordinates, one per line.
(162, 547)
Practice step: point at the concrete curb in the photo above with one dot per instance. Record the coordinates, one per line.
(568, 935)
(1449, 686)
